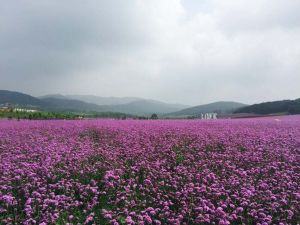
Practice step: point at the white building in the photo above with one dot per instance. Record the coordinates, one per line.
(208, 116)
(24, 110)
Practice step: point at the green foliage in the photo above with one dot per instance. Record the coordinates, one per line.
(37, 115)
(43, 115)
(179, 154)
(115, 115)
(154, 116)
(285, 106)
(142, 118)
(122, 220)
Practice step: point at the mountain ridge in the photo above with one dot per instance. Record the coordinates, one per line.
(99, 100)
(272, 107)
(60, 102)
(14, 97)
(143, 107)
(219, 107)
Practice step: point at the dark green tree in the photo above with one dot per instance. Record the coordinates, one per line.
(154, 116)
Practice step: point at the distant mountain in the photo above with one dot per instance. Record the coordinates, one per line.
(63, 103)
(20, 99)
(146, 107)
(139, 107)
(284, 106)
(70, 105)
(103, 100)
(216, 107)
(51, 104)
(57, 96)
(95, 99)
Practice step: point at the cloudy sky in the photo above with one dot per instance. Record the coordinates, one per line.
(181, 51)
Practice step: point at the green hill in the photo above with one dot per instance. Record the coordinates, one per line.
(19, 99)
(284, 106)
(216, 107)
(60, 103)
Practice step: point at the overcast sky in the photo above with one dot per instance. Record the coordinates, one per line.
(188, 51)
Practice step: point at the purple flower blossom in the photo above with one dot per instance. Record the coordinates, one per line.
(150, 172)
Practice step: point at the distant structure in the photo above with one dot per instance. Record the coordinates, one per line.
(24, 110)
(4, 109)
(208, 116)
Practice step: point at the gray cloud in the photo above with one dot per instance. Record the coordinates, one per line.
(179, 51)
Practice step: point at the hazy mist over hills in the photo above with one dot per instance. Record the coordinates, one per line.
(216, 107)
(284, 106)
(142, 107)
(57, 102)
(104, 100)
(109, 100)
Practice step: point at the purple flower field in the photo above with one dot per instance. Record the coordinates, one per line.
(243, 171)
